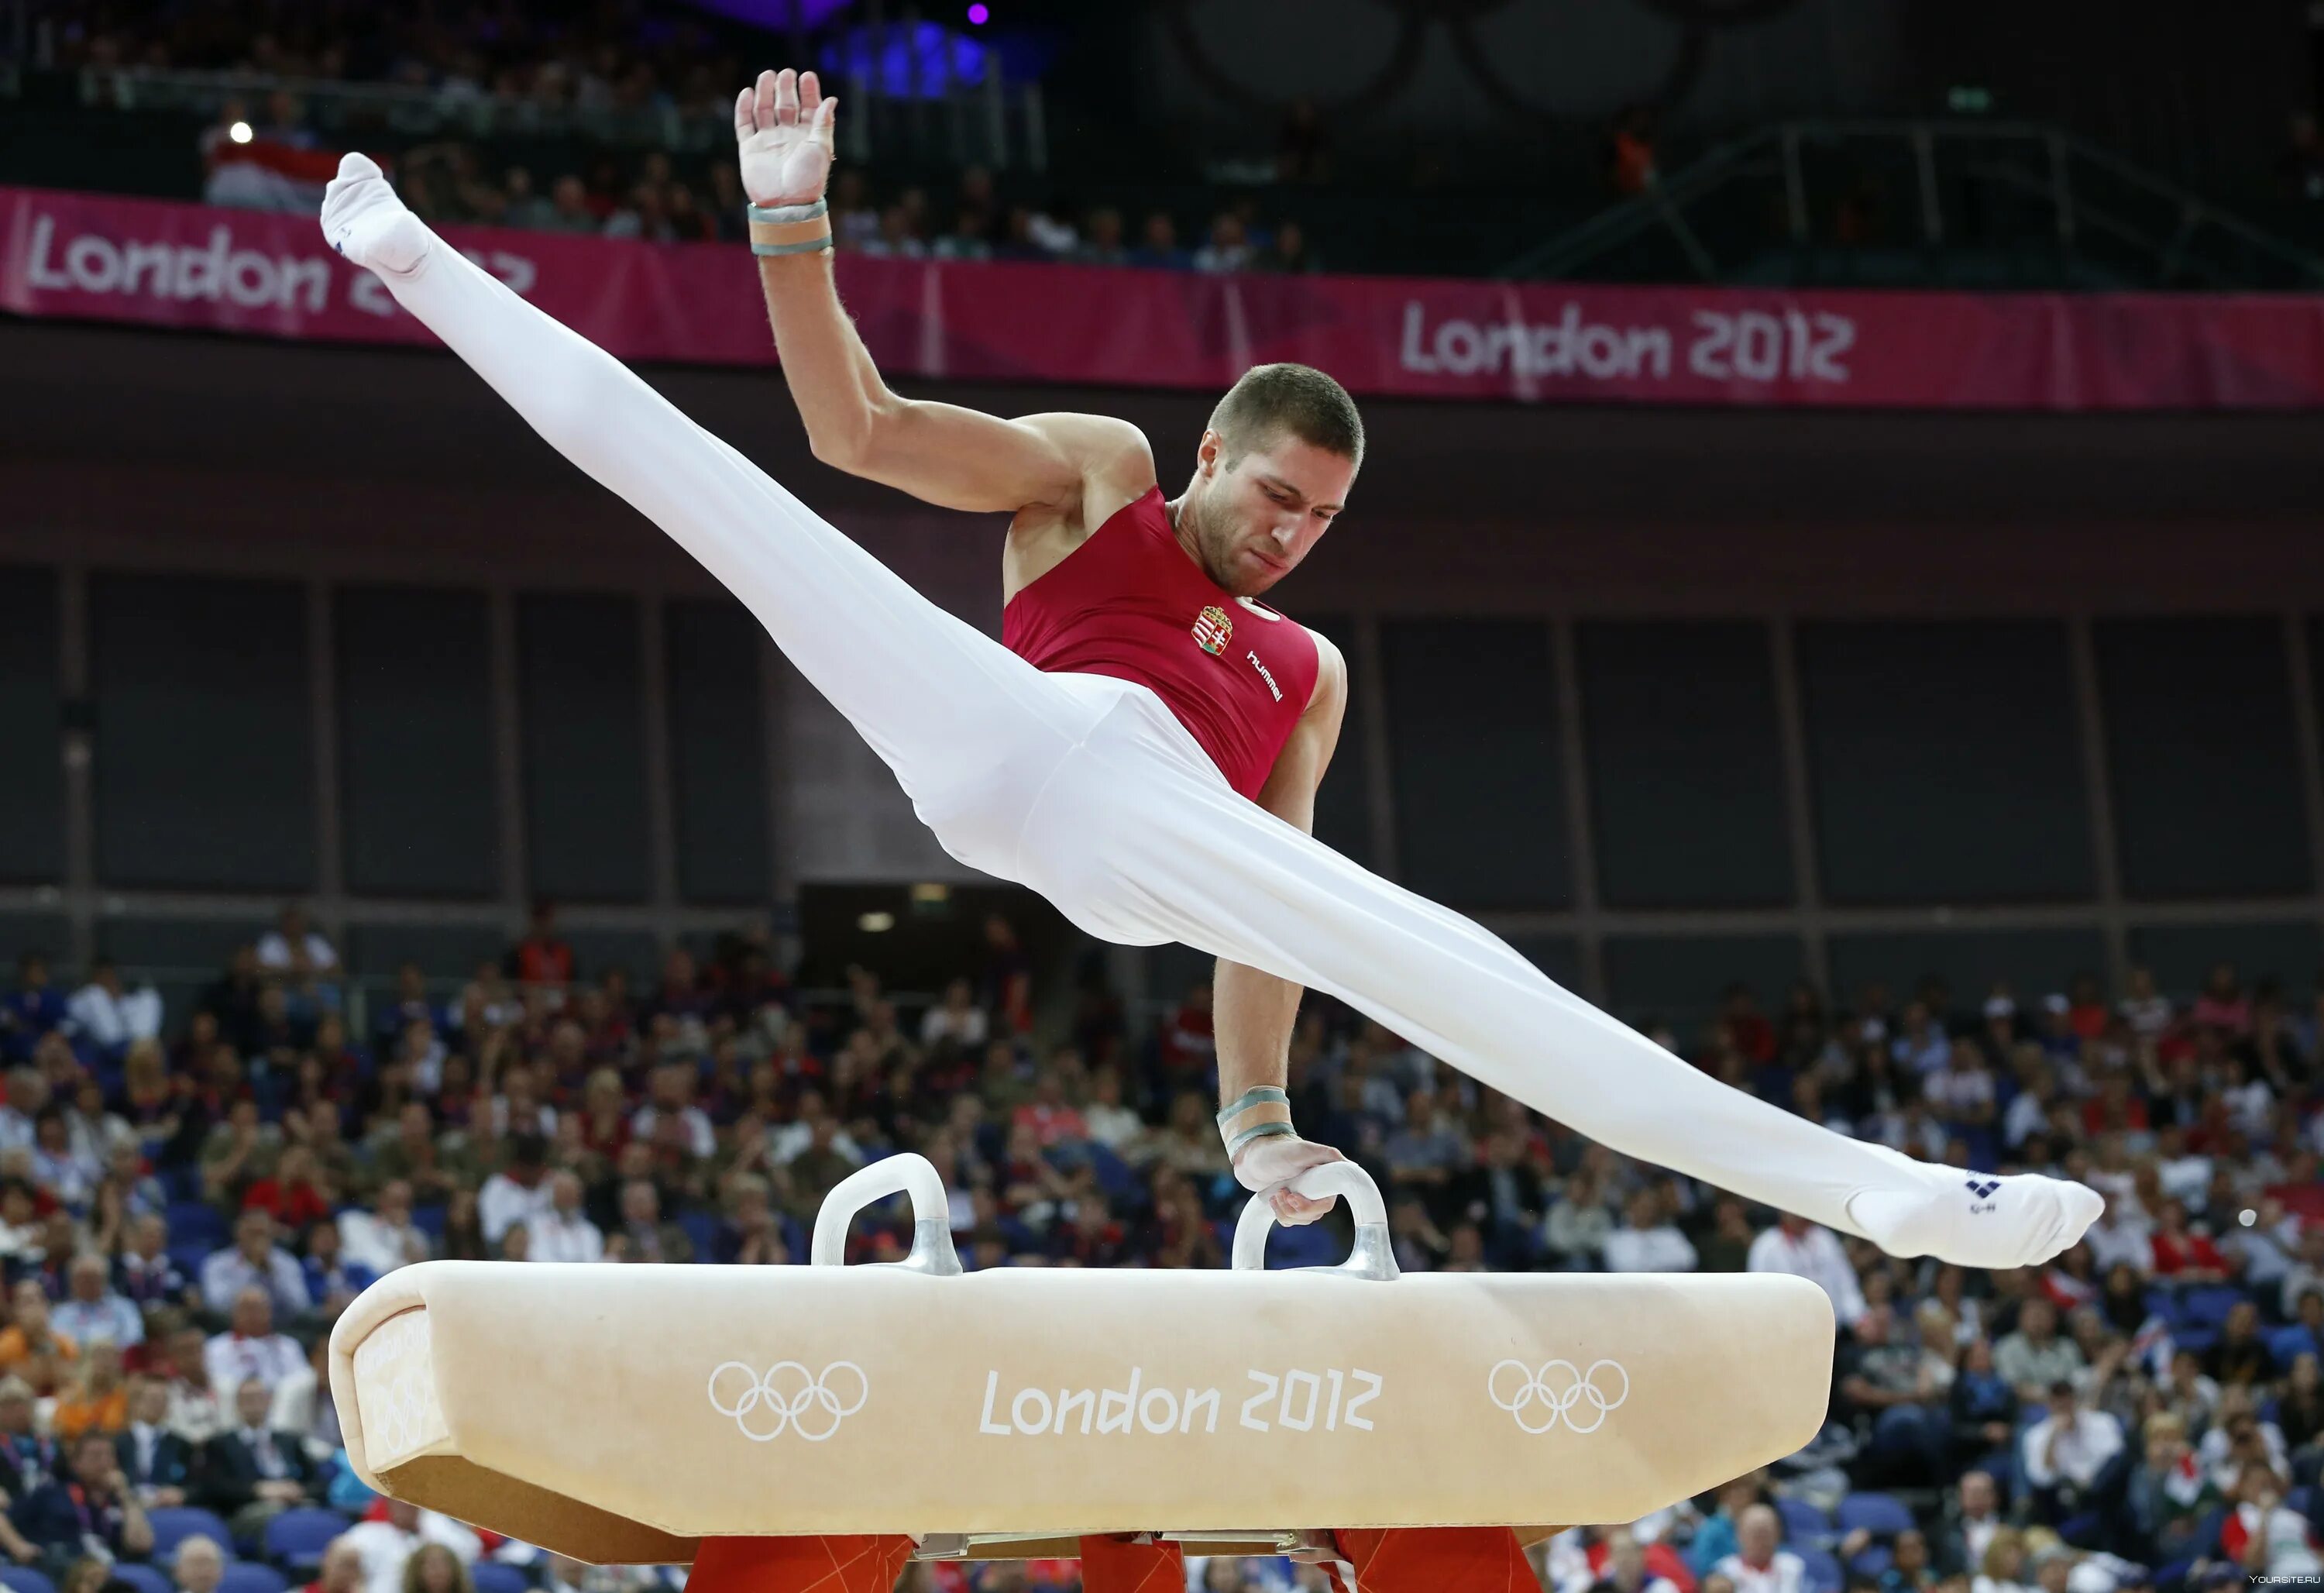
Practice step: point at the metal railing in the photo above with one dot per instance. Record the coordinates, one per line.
(357, 997)
(1971, 185)
(945, 120)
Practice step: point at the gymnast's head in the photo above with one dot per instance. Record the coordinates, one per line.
(1271, 473)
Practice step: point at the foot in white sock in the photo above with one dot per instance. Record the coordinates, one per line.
(364, 221)
(1975, 1218)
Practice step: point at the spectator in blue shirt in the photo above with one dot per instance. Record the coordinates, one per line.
(89, 1510)
(92, 1313)
(332, 1280)
(32, 1009)
(1157, 245)
(146, 1275)
(27, 1460)
(254, 1261)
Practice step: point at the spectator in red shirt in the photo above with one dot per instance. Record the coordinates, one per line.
(2223, 1004)
(291, 1197)
(2086, 1013)
(1008, 993)
(542, 957)
(1746, 1026)
(1026, 1179)
(1049, 1115)
(2115, 1109)
(605, 1115)
(2301, 1192)
(1188, 1042)
(1093, 1238)
(2181, 1254)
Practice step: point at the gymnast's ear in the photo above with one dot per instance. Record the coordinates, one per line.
(1210, 454)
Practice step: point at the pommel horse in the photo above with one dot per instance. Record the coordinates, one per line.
(622, 1415)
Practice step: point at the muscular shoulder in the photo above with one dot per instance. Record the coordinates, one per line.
(1106, 452)
(1330, 673)
(1109, 463)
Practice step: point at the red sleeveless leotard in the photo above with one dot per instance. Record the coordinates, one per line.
(1130, 603)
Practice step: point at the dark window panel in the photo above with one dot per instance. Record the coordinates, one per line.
(1479, 779)
(47, 933)
(417, 778)
(2182, 956)
(638, 952)
(375, 951)
(1944, 762)
(2035, 963)
(1682, 980)
(2201, 748)
(1558, 956)
(32, 796)
(1686, 774)
(1343, 806)
(203, 765)
(717, 738)
(584, 741)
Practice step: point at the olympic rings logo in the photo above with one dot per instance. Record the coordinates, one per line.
(1559, 1388)
(788, 1398)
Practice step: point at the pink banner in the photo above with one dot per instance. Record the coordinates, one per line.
(100, 258)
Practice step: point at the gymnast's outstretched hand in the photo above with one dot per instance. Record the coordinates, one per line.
(784, 137)
(1266, 1165)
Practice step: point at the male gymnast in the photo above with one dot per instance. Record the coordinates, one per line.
(1143, 746)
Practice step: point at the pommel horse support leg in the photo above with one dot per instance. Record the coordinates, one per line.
(625, 1415)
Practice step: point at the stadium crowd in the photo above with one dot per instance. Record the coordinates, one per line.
(188, 1198)
(614, 60)
(649, 197)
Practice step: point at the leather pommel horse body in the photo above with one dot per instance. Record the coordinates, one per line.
(621, 1413)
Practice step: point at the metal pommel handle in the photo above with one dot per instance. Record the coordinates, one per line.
(1373, 1257)
(909, 1174)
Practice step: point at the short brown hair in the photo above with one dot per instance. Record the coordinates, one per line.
(1273, 400)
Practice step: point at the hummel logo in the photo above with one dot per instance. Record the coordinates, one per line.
(1982, 1187)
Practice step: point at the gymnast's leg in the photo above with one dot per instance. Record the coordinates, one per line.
(945, 706)
(1137, 837)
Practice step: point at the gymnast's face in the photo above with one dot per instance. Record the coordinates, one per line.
(1249, 519)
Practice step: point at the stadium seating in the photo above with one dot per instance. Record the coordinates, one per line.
(297, 1537)
(174, 1527)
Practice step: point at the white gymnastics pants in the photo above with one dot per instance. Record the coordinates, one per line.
(1088, 790)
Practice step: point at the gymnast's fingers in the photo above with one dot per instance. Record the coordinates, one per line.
(746, 115)
(1296, 1211)
(787, 97)
(764, 106)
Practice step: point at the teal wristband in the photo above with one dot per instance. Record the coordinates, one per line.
(1256, 1095)
(1263, 1131)
(779, 213)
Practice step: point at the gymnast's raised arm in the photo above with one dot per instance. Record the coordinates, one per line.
(1082, 467)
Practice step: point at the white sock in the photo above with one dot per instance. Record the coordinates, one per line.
(1974, 1218)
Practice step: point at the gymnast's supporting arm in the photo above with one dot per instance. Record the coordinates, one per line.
(1252, 1013)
